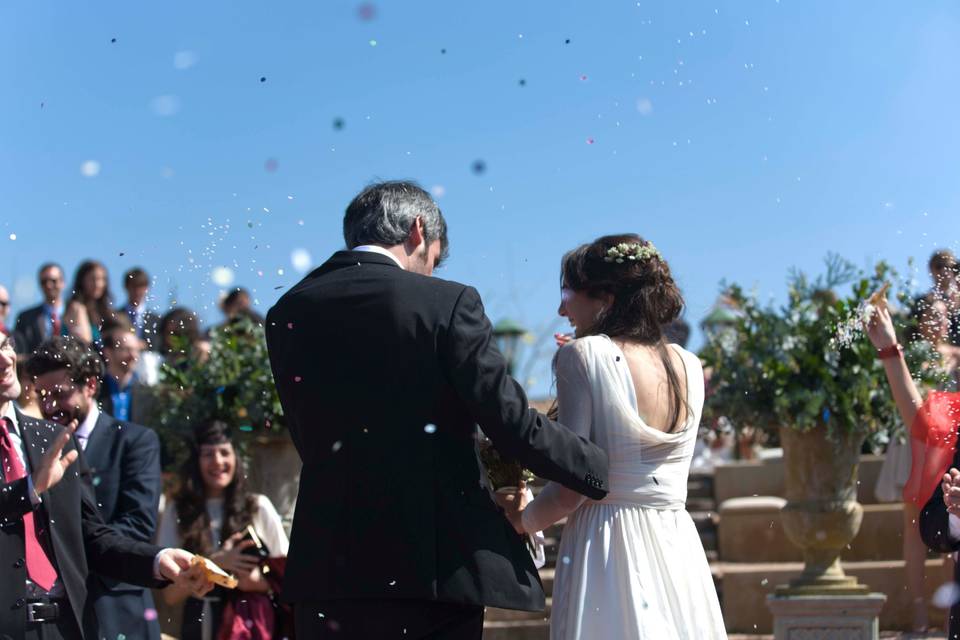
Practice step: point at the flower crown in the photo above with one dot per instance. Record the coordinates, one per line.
(632, 251)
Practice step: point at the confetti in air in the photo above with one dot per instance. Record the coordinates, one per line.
(90, 169)
(644, 106)
(339, 124)
(271, 165)
(164, 106)
(184, 59)
(263, 78)
(301, 260)
(222, 276)
(479, 167)
(367, 11)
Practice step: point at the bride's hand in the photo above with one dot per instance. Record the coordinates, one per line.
(880, 328)
(562, 338)
(513, 505)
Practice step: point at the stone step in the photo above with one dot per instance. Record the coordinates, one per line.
(516, 630)
(744, 478)
(701, 504)
(750, 530)
(700, 485)
(744, 588)
(494, 614)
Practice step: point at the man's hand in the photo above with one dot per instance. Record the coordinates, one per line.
(513, 505)
(52, 465)
(951, 491)
(175, 565)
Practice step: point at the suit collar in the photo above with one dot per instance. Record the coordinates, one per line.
(343, 259)
(101, 432)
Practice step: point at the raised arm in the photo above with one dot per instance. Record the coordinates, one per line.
(881, 333)
(478, 372)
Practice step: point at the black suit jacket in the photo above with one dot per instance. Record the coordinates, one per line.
(935, 531)
(124, 463)
(30, 329)
(81, 541)
(384, 375)
(151, 327)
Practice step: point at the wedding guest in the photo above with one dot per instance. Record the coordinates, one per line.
(54, 540)
(4, 309)
(933, 325)
(180, 338)
(36, 324)
(136, 283)
(124, 460)
(209, 515)
(122, 391)
(90, 304)
(945, 273)
(238, 304)
(933, 432)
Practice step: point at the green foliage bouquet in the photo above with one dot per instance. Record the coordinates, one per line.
(807, 363)
(234, 385)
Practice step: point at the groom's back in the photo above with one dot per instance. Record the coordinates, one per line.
(392, 502)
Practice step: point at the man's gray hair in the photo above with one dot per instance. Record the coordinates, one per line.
(384, 213)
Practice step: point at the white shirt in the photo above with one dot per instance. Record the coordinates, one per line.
(82, 434)
(372, 248)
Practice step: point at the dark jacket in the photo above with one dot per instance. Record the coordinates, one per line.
(81, 541)
(124, 463)
(30, 330)
(384, 375)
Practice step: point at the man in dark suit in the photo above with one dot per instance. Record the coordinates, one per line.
(384, 373)
(36, 324)
(122, 394)
(145, 322)
(124, 462)
(51, 535)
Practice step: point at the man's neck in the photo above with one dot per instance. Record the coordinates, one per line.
(134, 304)
(5, 407)
(56, 304)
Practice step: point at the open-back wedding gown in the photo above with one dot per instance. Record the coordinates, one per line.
(630, 566)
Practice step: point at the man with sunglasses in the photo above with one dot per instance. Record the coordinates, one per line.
(44, 321)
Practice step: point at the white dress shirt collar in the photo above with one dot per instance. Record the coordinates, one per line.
(86, 428)
(11, 413)
(372, 248)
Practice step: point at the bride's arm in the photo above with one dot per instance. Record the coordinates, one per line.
(555, 501)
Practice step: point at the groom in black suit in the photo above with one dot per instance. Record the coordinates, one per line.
(384, 374)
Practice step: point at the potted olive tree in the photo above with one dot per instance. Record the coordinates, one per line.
(804, 372)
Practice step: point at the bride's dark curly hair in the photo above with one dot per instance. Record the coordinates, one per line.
(191, 500)
(645, 299)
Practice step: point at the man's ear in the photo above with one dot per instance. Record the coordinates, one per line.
(416, 237)
(91, 387)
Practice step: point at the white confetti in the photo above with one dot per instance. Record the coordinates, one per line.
(90, 169)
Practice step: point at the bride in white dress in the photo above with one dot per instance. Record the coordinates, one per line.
(630, 566)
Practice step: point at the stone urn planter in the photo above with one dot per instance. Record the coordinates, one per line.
(274, 470)
(822, 515)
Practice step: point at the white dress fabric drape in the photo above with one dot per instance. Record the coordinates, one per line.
(630, 566)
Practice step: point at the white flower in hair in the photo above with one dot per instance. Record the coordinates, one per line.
(632, 251)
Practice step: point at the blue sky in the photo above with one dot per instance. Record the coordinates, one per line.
(742, 138)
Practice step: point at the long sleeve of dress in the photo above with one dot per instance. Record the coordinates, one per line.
(575, 405)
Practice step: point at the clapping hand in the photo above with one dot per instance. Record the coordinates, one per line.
(52, 465)
(951, 491)
(175, 565)
(232, 559)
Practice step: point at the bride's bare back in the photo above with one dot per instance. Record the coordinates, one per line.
(651, 385)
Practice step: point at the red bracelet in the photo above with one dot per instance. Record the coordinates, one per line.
(893, 351)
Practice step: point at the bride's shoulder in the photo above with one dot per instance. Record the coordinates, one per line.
(690, 360)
